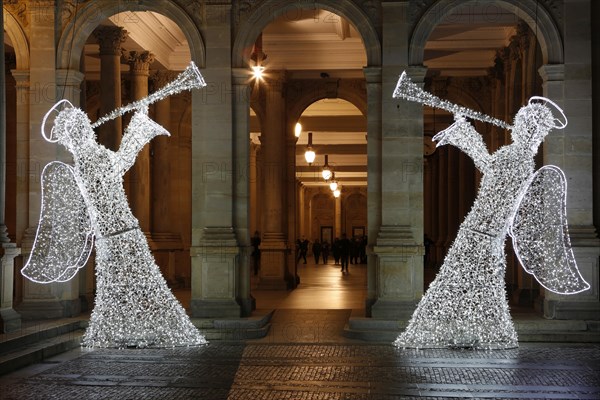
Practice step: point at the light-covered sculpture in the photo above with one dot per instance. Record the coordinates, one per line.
(466, 305)
(86, 203)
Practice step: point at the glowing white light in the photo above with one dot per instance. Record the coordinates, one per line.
(309, 156)
(333, 185)
(134, 306)
(298, 129)
(337, 193)
(466, 304)
(326, 173)
(257, 71)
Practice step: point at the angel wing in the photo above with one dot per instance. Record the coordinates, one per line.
(540, 235)
(64, 238)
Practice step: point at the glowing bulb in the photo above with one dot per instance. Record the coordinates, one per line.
(257, 71)
(336, 193)
(310, 156)
(326, 173)
(333, 185)
(298, 129)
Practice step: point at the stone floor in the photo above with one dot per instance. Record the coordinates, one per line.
(305, 357)
(312, 371)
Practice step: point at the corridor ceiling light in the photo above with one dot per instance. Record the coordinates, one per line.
(333, 185)
(298, 129)
(337, 193)
(326, 170)
(257, 71)
(309, 154)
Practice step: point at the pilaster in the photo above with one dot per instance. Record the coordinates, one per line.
(215, 252)
(214, 264)
(571, 149)
(242, 162)
(274, 249)
(398, 247)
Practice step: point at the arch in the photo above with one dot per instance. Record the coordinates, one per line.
(88, 17)
(269, 10)
(549, 37)
(308, 97)
(19, 40)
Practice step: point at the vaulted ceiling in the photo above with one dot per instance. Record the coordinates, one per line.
(307, 43)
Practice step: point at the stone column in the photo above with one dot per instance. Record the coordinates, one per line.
(442, 204)
(161, 170)
(10, 320)
(374, 195)
(571, 150)
(399, 249)
(215, 251)
(241, 186)
(110, 39)
(140, 195)
(53, 300)
(338, 217)
(22, 108)
(273, 144)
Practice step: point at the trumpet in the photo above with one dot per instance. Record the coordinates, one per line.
(408, 90)
(189, 79)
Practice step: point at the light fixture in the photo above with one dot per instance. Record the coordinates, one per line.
(333, 185)
(257, 71)
(309, 154)
(258, 57)
(337, 193)
(326, 170)
(298, 129)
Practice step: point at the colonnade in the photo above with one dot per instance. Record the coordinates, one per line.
(395, 34)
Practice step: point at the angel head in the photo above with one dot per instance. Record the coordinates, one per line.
(535, 120)
(71, 127)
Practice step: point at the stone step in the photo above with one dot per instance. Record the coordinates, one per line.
(253, 327)
(40, 350)
(39, 332)
(528, 330)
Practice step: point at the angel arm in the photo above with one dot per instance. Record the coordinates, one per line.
(140, 131)
(461, 134)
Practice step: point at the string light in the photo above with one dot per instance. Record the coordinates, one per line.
(134, 306)
(466, 304)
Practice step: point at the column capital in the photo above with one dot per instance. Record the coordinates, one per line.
(139, 61)
(552, 72)
(69, 77)
(372, 74)
(241, 76)
(161, 77)
(21, 76)
(416, 73)
(110, 39)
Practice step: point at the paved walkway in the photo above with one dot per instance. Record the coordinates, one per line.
(312, 371)
(305, 357)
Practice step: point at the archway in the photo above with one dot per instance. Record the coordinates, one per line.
(324, 82)
(155, 51)
(515, 43)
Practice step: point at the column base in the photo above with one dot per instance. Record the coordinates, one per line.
(564, 309)
(10, 320)
(393, 310)
(215, 309)
(247, 306)
(273, 265)
(30, 310)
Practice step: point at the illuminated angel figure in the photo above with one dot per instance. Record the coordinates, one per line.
(86, 202)
(466, 305)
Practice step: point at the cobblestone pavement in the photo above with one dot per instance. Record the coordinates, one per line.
(263, 370)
